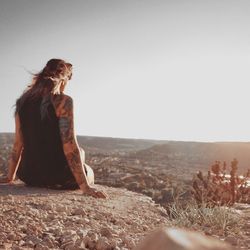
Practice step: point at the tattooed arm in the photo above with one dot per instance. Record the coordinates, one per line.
(64, 110)
(15, 156)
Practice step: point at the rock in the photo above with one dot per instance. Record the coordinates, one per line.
(93, 236)
(49, 242)
(179, 239)
(14, 247)
(105, 231)
(86, 240)
(79, 244)
(102, 244)
(129, 242)
(21, 243)
(11, 236)
(41, 246)
(232, 240)
(61, 208)
(78, 211)
(29, 243)
(86, 220)
(89, 243)
(31, 240)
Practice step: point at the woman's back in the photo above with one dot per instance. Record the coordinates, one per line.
(43, 161)
(45, 151)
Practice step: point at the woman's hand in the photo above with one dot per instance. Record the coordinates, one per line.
(92, 191)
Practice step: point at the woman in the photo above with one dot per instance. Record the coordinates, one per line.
(45, 152)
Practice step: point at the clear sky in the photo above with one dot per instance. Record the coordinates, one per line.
(160, 69)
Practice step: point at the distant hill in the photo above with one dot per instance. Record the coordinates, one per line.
(201, 155)
(101, 144)
(175, 153)
(116, 144)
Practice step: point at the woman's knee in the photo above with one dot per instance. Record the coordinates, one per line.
(82, 153)
(90, 174)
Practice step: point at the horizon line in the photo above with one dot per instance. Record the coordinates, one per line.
(152, 139)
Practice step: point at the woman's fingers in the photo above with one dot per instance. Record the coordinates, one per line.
(101, 194)
(96, 193)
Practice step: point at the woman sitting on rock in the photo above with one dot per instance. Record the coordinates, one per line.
(45, 152)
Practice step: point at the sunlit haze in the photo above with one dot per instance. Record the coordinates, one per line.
(158, 69)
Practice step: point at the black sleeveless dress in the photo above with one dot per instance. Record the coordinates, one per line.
(43, 162)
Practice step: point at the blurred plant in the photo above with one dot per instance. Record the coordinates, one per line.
(219, 188)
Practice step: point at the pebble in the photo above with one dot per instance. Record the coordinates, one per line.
(78, 211)
(105, 231)
(102, 244)
(231, 240)
(60, 208)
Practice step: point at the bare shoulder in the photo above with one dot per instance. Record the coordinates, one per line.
(63, 104)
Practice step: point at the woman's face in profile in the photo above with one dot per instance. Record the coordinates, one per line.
(70, 76)
(70, 68)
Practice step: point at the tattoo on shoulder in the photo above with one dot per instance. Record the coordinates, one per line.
(68, 105)
(57, 100)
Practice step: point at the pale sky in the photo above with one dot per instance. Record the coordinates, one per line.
(157, 69)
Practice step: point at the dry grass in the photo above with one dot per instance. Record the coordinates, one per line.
(221, 221)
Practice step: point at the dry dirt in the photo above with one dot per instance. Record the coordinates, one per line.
(44, 219)
(39, 218)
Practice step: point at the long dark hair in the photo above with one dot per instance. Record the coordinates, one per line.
(47, 81)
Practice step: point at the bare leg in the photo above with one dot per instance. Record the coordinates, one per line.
(90, 172)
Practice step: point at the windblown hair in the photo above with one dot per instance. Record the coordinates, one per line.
(48, 81)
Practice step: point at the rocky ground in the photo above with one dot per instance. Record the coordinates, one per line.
(52, 219)
(37, 218)
(55, 219)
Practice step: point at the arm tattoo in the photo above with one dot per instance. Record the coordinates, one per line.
(66, 121)
(65, 129)
(71, 150)
(76, 167)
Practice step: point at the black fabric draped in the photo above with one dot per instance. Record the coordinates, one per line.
(43, 162)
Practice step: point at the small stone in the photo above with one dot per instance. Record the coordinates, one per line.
(51, 216)
(79, 243)
(21, 243)
(129, 242)
(14, 247)
(41, 246)
(86, 240)
(49, 242)
(31, 240)
(105, 231)
(232, 240)
(112, 244)
(86, 220)
(29, 243)
(89, 243)
(81, 233)
(102, 244)
(61, 208)
(78, 211)
(11, 236)
(93, 236)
